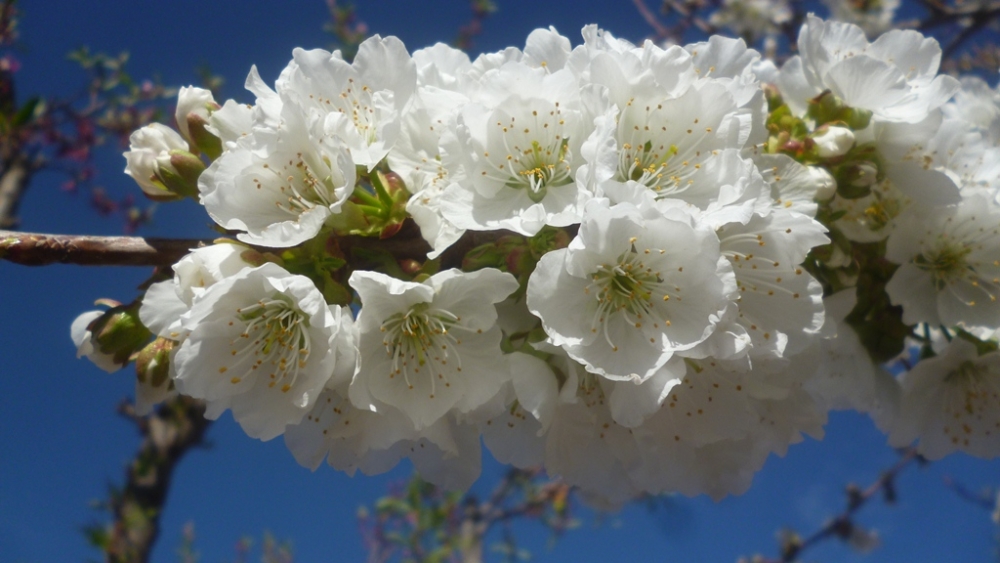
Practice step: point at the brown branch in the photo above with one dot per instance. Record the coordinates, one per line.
(662, 32)
(38, 249)
(174, 429)
(13, 183)
(979, 22)
(479, 518)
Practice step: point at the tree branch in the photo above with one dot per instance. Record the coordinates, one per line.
(36, 249)
(662, 32)
(167, 435)
(13, 183)
(842, 525)
(40, 249)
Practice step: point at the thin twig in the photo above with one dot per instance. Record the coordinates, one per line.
(841, 524)
(661, 30)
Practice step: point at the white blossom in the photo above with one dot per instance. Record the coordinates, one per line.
(780, 304)
(949, 261)
(795, 187)
(516, 148)
(895, 77)
(951, 403)
(752, 17)
(234, 121)
(873, 16)
(978, 105)
(280, 185)
(360, 102)
(261, 343)
(630, 291)
(446, 454)
(428, 348)
(838, 371)
(166, 301)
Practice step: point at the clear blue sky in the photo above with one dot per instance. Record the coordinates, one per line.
(61, 443)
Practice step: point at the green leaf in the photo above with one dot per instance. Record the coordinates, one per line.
(26, 113)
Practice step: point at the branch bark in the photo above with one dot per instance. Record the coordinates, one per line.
(13, 183)
(41, 249)
(167, 435)
(36, 249)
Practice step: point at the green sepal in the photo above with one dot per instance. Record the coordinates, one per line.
(828, 108)
(203, 140)
(119, 333)
(152, 363)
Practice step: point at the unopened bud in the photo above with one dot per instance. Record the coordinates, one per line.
(855, 181)
(179, 172)
(485, 256)
(518, 260)
(109, 338)
(833, 141)
(148, 161)
(152, 370)
(394, 184)
(193, 102)
(350, 220)
(202, 138)
(409, 266)
(773, 97)
(120, 332)
(826, 186)
(83, 338)
(389, 230)
(152, 364)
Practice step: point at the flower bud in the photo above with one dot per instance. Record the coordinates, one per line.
(193, 104)
(152, 364)
(109, 338)
(179, 171)
(150, 162)
(83, 338)
(826, 186)
(832, 141)
(152, 370)
(202, 138)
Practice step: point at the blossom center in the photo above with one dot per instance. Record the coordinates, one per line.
(300, 187)
(646, 155)
(422, 340)
(275, 339)
(531, 154)
(629, 287)
(645, 163)
(541, 167)
(946, 263)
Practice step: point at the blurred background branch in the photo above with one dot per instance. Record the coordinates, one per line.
(168, 434)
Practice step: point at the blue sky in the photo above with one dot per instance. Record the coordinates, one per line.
(61, 443)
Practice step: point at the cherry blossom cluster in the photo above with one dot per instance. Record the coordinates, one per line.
(674, 260)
